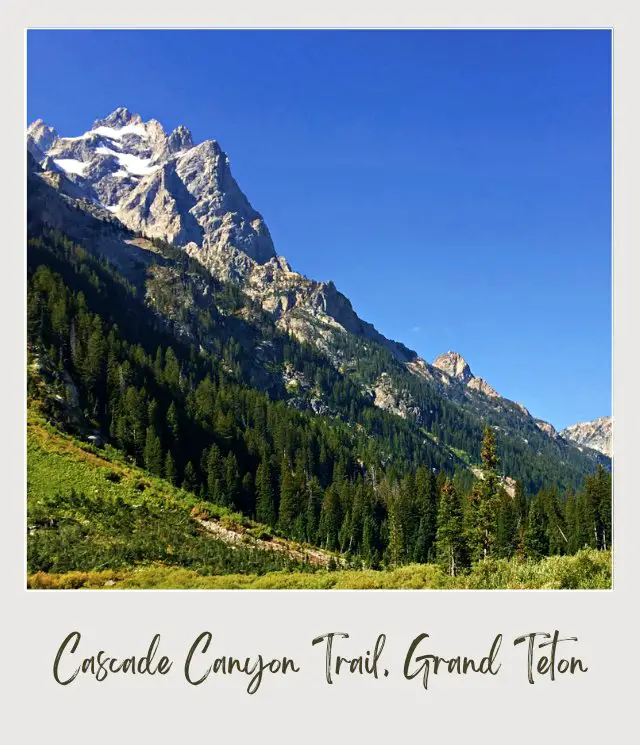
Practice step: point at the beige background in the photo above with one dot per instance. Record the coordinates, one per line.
(592, 708)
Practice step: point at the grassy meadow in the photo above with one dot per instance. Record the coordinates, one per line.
(95, 520)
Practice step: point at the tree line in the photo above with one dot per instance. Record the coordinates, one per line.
(380, 498)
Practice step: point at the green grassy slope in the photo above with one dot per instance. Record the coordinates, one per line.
(95, 520)
(90, 509)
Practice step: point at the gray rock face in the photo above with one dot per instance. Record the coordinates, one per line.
(595, 435)
(161, 185)
(179, 139)
(457, 368)
(118, 118)
(40, 139)
(398, 402)
(479, 384)
(309, 310)
(193, 198)
(454, 365)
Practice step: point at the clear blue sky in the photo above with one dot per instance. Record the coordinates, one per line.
(455, 185)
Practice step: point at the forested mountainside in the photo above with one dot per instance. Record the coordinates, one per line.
(161, 322)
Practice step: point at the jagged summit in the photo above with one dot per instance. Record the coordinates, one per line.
(118, 118)
(163, 185)
(457, 368)
(40, 139)
(167, 186)
(454, 365)
(595, 434)
(180, 139)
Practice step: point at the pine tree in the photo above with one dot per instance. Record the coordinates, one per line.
(153, 416)
(555, 521)
(158, 364)
(288, 499)
(521, 505)
(536, 541)
(427, 515)
(170, 472)
(314, 505)
(450, 547)
(474, 529)
(173, 423)
(570, 520)
(397, 535)
(215, 476)
(153, 453)
(232, 481)
(331, 518)
(604, 507)
(596, 509)
(586, 530)
(94, 367)
(265, 498)
(171, 368)
(483, 503)
(506, 537)
(190, 479)
(132, 432)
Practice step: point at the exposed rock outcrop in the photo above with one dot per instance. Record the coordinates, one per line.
(454, 365)
(389, 398)
(457, 368)
(595, 434)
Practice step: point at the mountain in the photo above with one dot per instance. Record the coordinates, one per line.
(197, 408)
(157, 183)
(148, 201)
(595, 435)
(167, 187)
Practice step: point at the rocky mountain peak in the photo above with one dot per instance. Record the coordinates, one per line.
(457, 368)
(595, 434)
(40, 138)
(180, 139)
(454, 365)
(121, 117)
(163, 185)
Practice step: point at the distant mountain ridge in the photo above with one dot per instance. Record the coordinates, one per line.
(595, 434)
(134, 179)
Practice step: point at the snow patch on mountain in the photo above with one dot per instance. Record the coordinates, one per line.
(117, 134)
(129, 164)
(71, 165)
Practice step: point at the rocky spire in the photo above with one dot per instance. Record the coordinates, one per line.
(40, 138)
(179, 139)
(118, 118)
(454, 365)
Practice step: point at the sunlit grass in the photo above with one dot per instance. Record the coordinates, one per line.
(96, 520)
(588, 569)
